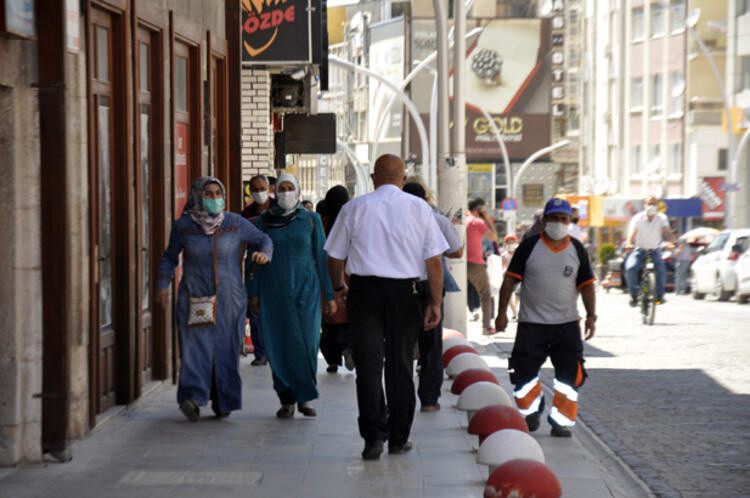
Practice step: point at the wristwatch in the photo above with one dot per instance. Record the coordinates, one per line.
(591, 315)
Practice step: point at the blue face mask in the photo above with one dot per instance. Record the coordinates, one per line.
(213, 206)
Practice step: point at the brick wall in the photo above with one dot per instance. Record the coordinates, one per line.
(257, 142)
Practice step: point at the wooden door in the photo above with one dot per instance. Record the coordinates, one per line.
(146, 84)
(102, 212)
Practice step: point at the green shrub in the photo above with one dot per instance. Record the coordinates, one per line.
(605, 253)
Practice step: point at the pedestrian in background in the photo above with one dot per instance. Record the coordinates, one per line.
(210, 240)
(684, 254)
(554, 268)
(385, 239)
(430, 342)
(479, 225)
(262, 201)
(510, 244)
(574, 230)
(307, 204)
(335, 341)
(286, 293)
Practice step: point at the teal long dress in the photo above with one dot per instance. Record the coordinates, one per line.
(289, 289)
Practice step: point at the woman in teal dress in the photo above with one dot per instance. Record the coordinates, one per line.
(287, 292)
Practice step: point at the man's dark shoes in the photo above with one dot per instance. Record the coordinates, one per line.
(400, 449)
(332, 369)
(348, 359)
(633, 301)
(557, 429)
(372, 450)
(259, 362)
(533, 421)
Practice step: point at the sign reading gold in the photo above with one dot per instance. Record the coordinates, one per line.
(276, 31)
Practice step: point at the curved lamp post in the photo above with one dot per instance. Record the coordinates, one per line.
(406, 100)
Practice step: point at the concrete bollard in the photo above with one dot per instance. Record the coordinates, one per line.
(481, 394)
(465, 361)
(449, 342)
(493, 418)
(469, 377)
(452, 333)
(522, 478)
(455, 351)
(506, 445)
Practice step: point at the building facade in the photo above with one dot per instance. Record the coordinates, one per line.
(111, 108)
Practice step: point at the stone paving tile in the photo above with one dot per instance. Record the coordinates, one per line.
(301, 457)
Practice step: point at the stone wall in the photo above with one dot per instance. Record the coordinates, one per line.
(20, 256)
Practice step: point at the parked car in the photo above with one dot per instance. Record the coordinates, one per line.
(713, 272)
(743, 271)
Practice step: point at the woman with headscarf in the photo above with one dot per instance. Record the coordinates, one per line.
(287, 293)
(334, 341)
(210, 238)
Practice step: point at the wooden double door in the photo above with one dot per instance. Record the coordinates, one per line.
(127, 338)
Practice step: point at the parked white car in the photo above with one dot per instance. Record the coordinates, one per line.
(743, 273)
(713, 272)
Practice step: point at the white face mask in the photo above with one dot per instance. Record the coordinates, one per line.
(287, 200)
(512, 247)
(556, 230)
(651, 210)
(260, 197)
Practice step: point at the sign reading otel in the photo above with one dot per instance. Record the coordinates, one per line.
(276, 32)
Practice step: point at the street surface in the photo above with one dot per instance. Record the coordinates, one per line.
(671, 400)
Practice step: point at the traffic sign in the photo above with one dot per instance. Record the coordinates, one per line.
(729, 187)
(509, 204)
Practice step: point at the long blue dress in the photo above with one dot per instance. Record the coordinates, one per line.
(289, 289)
(218, 346)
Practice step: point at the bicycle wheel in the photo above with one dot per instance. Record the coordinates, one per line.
(651, 298)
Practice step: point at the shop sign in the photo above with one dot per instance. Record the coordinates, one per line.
(276, 31)
(712, 197)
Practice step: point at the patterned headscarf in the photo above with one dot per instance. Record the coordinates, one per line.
(208, 222)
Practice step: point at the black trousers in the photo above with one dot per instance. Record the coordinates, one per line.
(333, 341)
(384, 315)
(430, 355)
(535, 342)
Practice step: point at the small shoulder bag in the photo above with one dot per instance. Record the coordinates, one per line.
(203, 308)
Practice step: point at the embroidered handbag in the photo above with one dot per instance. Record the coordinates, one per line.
(203, 308)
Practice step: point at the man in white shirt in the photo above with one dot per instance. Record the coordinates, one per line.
(386, 238)
(573, 229)
(646, 231)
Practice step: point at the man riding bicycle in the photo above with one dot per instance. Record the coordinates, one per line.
(646, 231)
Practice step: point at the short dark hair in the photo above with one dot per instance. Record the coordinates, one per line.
(476, 203)
(271, 180)
(414, 188)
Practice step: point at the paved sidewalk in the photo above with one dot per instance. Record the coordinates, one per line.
(152, 450)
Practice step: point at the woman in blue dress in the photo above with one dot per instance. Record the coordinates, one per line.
(287, 292)
(209, 354)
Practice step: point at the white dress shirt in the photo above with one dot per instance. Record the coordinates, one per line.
(386, 233)
(648, 234)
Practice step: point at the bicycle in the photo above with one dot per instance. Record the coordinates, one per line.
(647, 288)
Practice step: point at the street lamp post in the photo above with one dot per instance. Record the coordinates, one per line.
(533, 157)
(690, 22)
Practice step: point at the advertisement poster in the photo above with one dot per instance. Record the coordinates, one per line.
(386, 59)
(276, 32)
(506, 76)
(712, 197)
(181, 176)
(479, 182)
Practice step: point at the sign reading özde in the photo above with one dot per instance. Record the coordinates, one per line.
(276, 31)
